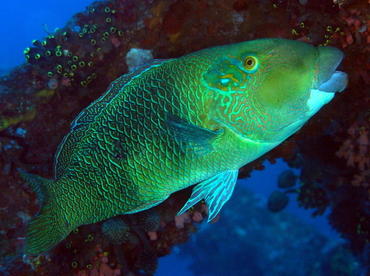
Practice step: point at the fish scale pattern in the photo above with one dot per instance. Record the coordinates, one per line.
(160, 129)
(122, 147)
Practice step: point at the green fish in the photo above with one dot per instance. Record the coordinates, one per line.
(191, 120)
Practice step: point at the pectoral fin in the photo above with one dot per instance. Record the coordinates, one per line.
(191, 137)
(215, 190)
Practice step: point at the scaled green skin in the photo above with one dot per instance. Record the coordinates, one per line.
(165, 127)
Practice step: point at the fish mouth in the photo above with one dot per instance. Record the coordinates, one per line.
(328, 80)
(337, 83)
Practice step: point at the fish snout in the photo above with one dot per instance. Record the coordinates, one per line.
(337, 83)
(328, 79)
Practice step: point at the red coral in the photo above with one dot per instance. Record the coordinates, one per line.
(356, 150)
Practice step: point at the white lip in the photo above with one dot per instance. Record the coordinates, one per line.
(337, 83)
(319, 97)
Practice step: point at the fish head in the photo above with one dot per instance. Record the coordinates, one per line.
(266, 89)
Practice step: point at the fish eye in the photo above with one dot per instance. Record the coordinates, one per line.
(251, 63)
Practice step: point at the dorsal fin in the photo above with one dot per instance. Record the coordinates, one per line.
(95, 108)
(81, 125)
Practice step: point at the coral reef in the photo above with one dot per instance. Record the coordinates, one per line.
(73, 66)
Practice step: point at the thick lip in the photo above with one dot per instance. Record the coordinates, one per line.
(328, 79)
(337, 83)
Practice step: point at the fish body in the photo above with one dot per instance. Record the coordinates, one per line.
(176, 123)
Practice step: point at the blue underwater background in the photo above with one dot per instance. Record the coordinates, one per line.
(232, 239)
(27, 20)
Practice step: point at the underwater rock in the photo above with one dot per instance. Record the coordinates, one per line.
(147, 262)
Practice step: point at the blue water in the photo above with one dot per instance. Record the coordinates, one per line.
(24, 21)
(263, 183)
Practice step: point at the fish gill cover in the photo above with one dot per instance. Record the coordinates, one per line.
(73, 66)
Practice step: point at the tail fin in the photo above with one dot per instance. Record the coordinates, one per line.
(37, 183)
(48, 227)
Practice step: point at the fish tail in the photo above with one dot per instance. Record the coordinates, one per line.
(46, 229)
(37, 184)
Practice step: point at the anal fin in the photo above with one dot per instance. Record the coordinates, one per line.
(216, 191)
